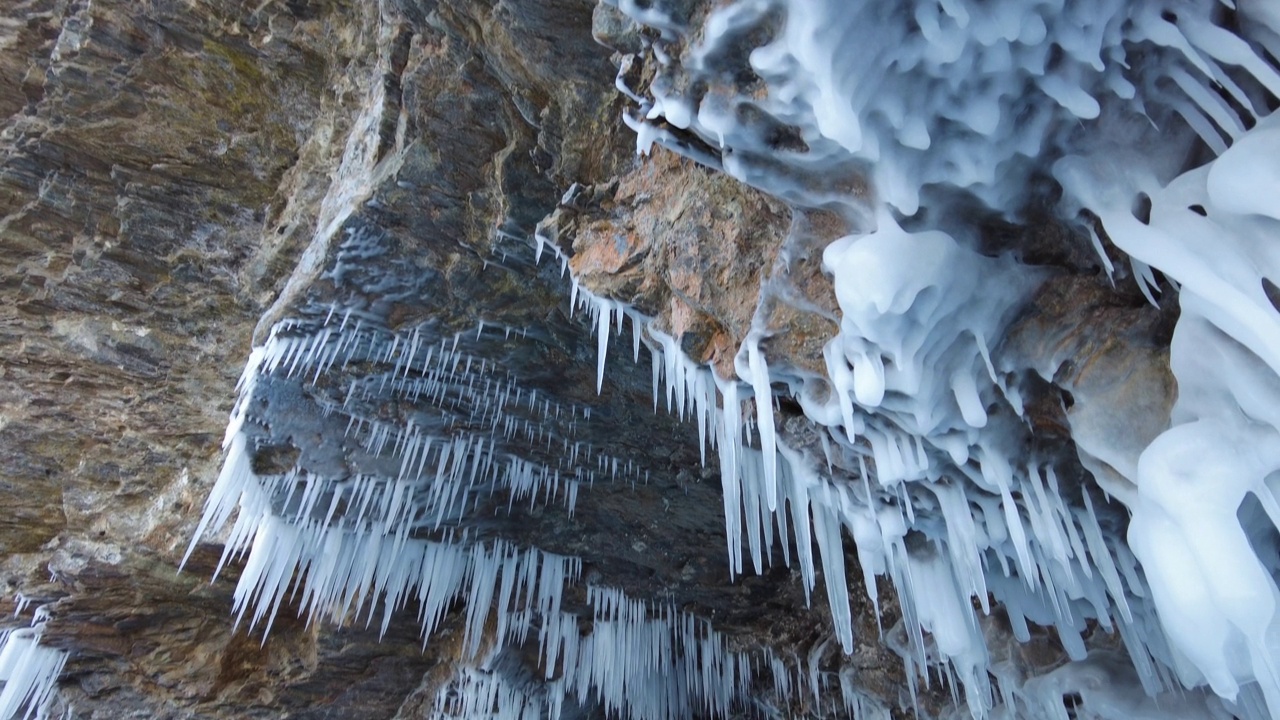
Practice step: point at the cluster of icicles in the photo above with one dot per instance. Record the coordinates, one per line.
(1053, 562)
(355, 542)
(28, 670)
(356, 548)
(955, 103)
(350, 548)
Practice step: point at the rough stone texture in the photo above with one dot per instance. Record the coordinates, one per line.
(161, 165)
(679, 242)
(1107, 354)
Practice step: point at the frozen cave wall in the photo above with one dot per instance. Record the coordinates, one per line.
(641, 359)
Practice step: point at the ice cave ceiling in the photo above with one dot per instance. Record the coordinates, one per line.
(649, 359)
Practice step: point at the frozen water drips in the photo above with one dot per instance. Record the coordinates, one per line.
(425, 473)
(642, 660)
(945, 99)
(916, 308)
(29, 672)
(341, 546)
(1052, 563)
(978, 96)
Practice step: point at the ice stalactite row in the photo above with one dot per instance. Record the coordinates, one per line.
(937, 538)
(339, 571)
(425, 471)
(647, 661)
(29, 671)
(383, 512)
(353, 532)
(1047, 559)
(640, 660)
(970, 104)
(370, 569)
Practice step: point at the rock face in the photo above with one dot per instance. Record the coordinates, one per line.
(394, 192)
(163, 168)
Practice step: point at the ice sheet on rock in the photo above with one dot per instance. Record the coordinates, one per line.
(957, 93)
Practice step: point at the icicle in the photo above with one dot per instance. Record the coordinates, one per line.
(29, 672)
(764, 416)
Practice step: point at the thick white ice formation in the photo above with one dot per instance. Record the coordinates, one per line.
(1208, 558)
(947, 99)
